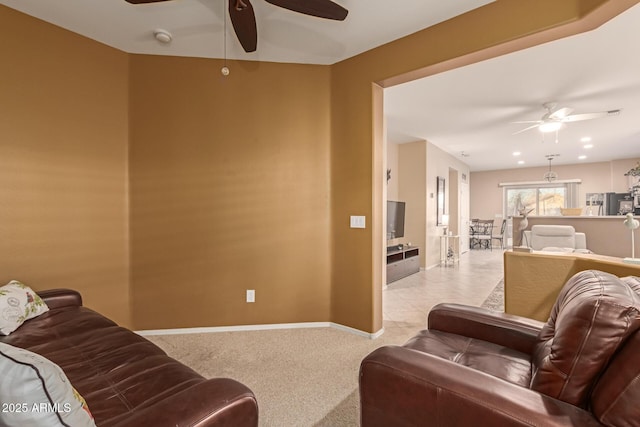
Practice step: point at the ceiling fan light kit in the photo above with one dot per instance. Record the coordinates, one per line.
(555, 118)
(549, 127)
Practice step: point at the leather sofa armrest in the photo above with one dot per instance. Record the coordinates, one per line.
(214, 402)
(58, 298)
(401, 386)
(507, 330)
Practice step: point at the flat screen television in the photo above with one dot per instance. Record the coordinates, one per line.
(395, 219)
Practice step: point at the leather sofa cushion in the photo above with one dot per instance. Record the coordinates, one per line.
(493, 359)
(594, 314)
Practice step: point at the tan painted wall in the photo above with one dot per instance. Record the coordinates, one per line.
(453, 188)
(63, 163)
(392, 163)
(440, 163)
(601, 177)
(229, 192)
(413, 189)
(419, 165)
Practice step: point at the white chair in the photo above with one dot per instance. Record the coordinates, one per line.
(555, 238)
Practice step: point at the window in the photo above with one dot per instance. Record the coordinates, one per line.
(544, 199)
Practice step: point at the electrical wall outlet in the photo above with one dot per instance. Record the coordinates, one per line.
(251, 295)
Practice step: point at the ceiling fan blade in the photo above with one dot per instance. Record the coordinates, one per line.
(526, 129)
(590, 116)
(143, 1)
(244, 23)
(561, 113)
(320, 8)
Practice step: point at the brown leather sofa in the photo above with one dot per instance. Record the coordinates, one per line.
(125, 379)
(474, 367)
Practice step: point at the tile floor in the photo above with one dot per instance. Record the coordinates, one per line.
(407, 301)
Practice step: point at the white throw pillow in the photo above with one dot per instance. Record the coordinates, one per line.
(17, 304)
(36, 392)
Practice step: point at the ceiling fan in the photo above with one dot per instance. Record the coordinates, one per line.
(554, 118)
(244, 19)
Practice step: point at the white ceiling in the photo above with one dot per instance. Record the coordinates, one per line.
(197, 26)
(466, 110)
(471, 109)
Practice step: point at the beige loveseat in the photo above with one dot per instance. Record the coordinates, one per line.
(532, 281)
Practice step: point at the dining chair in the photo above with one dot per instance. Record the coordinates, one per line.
(500, 237)
(485, 233)
(473, 232)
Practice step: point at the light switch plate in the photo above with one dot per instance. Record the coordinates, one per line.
(358, 221)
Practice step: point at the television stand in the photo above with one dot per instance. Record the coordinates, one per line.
(402, 261)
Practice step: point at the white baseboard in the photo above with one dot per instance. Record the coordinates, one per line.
(264, 327)
(358, 332)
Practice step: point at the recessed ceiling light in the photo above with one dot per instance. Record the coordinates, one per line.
(585, 139)
(582, 157)
(516, 153)
(521, 162)
(587, 146)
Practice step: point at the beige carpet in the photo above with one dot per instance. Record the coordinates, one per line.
(309, 377)
(301, 377)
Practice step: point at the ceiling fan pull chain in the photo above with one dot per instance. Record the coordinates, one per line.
(225, 70)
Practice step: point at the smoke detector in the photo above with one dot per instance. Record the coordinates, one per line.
(163, 36)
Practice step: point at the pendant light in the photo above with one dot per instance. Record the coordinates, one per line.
(550, 176)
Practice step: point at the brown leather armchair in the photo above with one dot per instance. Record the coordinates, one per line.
(474, 367)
